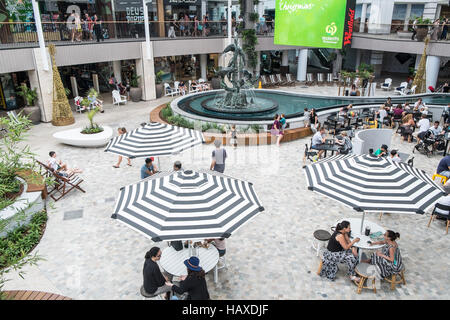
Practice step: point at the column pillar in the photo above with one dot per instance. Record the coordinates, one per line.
(376, 59)
(145, 68)
(203, 66)
(408, 14)
(117, 69)
(42, 80)
(203, 9)
(302, 64)
(358, 58)
(433, 65)
(160, 14)
(429, 10)
(363, 17)
(284, 62)
(380, 19)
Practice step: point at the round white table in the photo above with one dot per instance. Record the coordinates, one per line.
(172, 261)
(355, 225)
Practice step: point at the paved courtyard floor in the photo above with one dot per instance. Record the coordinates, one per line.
(91, 256)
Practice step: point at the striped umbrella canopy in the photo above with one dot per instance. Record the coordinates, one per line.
(156, 139)
(183, 205)
(370, 184)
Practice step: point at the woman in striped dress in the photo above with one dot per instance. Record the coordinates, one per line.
(340, 250)
(388, 261)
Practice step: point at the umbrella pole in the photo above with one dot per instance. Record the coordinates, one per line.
(362, 222)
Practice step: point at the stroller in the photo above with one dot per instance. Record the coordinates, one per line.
(427, 144)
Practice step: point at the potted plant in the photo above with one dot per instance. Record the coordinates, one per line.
(29, 96)
(93, 127)
(159, 85)
(422, 28)
(135, 90)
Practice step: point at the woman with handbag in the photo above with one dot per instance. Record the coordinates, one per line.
(277, 129)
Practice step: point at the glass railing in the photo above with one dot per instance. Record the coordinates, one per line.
(23, 34)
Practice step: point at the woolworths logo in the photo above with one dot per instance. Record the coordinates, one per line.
(331, 29)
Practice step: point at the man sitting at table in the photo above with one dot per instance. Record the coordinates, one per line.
(424, 125)
(154, 280)
(318, 140)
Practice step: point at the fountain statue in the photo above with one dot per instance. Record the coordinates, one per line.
(238, 84)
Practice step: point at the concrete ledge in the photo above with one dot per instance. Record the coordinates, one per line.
(243, 139)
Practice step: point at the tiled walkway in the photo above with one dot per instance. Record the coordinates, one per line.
(91, 256)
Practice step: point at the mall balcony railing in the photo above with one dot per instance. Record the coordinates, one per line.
(397, 30)
(23, 34)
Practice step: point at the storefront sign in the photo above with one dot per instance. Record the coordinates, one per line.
(189, 2)
(133, 9)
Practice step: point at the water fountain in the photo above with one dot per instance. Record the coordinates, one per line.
(237, 82)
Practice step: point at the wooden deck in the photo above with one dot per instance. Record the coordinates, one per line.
(33, 295)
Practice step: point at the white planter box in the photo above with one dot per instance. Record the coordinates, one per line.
(74, 137)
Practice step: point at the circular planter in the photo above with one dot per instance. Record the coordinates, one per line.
(33, 113)
(135, 94)
(74, 137)
(421, 33)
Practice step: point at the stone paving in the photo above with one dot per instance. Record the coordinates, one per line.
(91, 256)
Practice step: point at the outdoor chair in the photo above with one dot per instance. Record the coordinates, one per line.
(443, 178)
(330, 78)
(281, 82)
(400, 90)
(320, 80)
(147, 295)
(192, 89)
(308, 154)
(409, 91)
(387, 84)
(444, 216)
(176, 87)
(289, 80)
(393, 280)
(265, 83)
(78, 107)
(168, 90)
(363, 270)
(309, 79)
(273, 81)
(118, 98)
(63, 185)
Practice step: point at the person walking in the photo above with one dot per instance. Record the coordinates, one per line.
(121, 131)
(218, 158)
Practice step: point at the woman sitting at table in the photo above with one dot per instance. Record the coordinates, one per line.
(339, 250)
(353, 91)
(387, 261)
(397, 114)
(194, 283)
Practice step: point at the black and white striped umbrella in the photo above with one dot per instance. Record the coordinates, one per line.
(185, 205)
(371, 184)
(154, 139)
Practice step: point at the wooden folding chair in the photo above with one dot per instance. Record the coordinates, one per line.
(63, 185)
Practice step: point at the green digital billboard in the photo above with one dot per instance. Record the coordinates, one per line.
(314, 23)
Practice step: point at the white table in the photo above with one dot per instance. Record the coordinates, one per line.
(355, 225)
(172, 261)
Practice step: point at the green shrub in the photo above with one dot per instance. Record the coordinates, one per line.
(166, 112)
(19, 242)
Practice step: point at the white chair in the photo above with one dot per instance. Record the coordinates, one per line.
(168, 91)
(78, 105)
(387, 84)
(410, 91)
(176, 88)
(329, 78)
(192, 89)
(403, 86)
(320, 78)
(118, 98)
